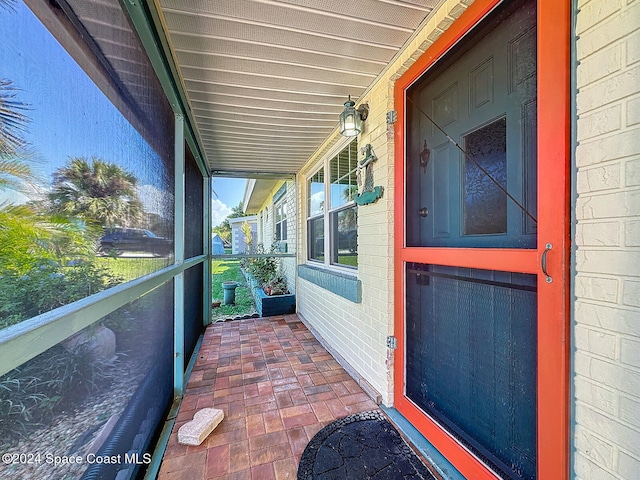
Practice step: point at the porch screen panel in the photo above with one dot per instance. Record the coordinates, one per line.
(97, 138)
(471, 360)
(193, 245)
(94, 183)
(149, 336)
(193, 242)
(193, 305)
(115, 376)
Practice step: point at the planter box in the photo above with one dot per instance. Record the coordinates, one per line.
(269, 306)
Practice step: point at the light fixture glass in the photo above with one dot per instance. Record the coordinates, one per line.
(351, 118)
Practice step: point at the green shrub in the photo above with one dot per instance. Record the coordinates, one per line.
(48, 286)
(277, 285)
(262, 268)
(267, 271)
(29, 238)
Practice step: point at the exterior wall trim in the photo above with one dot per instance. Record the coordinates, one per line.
(342, 284)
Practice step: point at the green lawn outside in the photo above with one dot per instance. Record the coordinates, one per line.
(132, 268)
(229, 271)
(222, 271)
(351, 260)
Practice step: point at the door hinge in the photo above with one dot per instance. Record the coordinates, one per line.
(392, 342)
(392, 117)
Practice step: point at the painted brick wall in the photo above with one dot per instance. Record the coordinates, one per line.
(358, 331)
(606, 333)
(289, 264)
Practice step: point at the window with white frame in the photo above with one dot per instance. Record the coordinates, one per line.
(280, 221)
(331, 209)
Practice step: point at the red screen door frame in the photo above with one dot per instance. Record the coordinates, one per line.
(553, 93)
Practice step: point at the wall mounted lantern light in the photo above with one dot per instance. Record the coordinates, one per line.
(351, 118)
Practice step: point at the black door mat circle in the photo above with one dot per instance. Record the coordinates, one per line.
(361, 447)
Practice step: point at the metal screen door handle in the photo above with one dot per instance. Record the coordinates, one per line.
(543, 260)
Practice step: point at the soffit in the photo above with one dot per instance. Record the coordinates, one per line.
(266, 79)
(256, 193)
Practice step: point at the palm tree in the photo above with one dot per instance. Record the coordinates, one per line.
(99, 192)
(28, 235)
(7, 4)
(13, 147)
(12, 122)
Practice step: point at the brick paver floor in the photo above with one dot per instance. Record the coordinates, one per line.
(277, 387)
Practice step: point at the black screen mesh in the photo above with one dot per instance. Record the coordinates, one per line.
(471, 360)
(193, 246)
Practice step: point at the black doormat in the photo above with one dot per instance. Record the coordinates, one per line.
(358, 447)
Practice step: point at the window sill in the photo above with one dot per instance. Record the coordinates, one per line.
(342, 284)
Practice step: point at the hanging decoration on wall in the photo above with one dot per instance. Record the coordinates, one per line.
(424, 157)
(370, 194)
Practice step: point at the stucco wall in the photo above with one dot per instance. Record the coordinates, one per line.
(358, 331)
(606, 332)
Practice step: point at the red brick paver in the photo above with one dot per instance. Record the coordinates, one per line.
(277, 387)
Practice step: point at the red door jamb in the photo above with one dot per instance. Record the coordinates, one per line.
(554, 20)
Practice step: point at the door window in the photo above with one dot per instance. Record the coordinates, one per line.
(471, 142)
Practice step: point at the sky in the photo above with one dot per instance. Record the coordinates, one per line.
(71, 117)
(228, 193)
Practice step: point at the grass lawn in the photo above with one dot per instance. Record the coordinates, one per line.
(229, 271)
(351, 260)
(222, 271)
(132, 268)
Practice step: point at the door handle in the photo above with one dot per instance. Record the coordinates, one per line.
(543, 261)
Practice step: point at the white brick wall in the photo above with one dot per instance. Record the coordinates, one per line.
(358, 332)
(289, 264)
(606, 333)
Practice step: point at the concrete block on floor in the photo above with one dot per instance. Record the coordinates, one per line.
(203, 423)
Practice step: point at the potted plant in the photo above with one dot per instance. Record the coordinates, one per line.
(270, 289)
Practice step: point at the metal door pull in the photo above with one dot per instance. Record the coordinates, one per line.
(548, 247)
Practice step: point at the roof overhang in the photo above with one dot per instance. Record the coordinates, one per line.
(266, 80)
(256, 194)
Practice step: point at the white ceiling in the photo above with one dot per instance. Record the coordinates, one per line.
(267, 79)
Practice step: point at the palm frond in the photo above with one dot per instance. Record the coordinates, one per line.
(97, 191)
(8, 5)
(13, 123)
